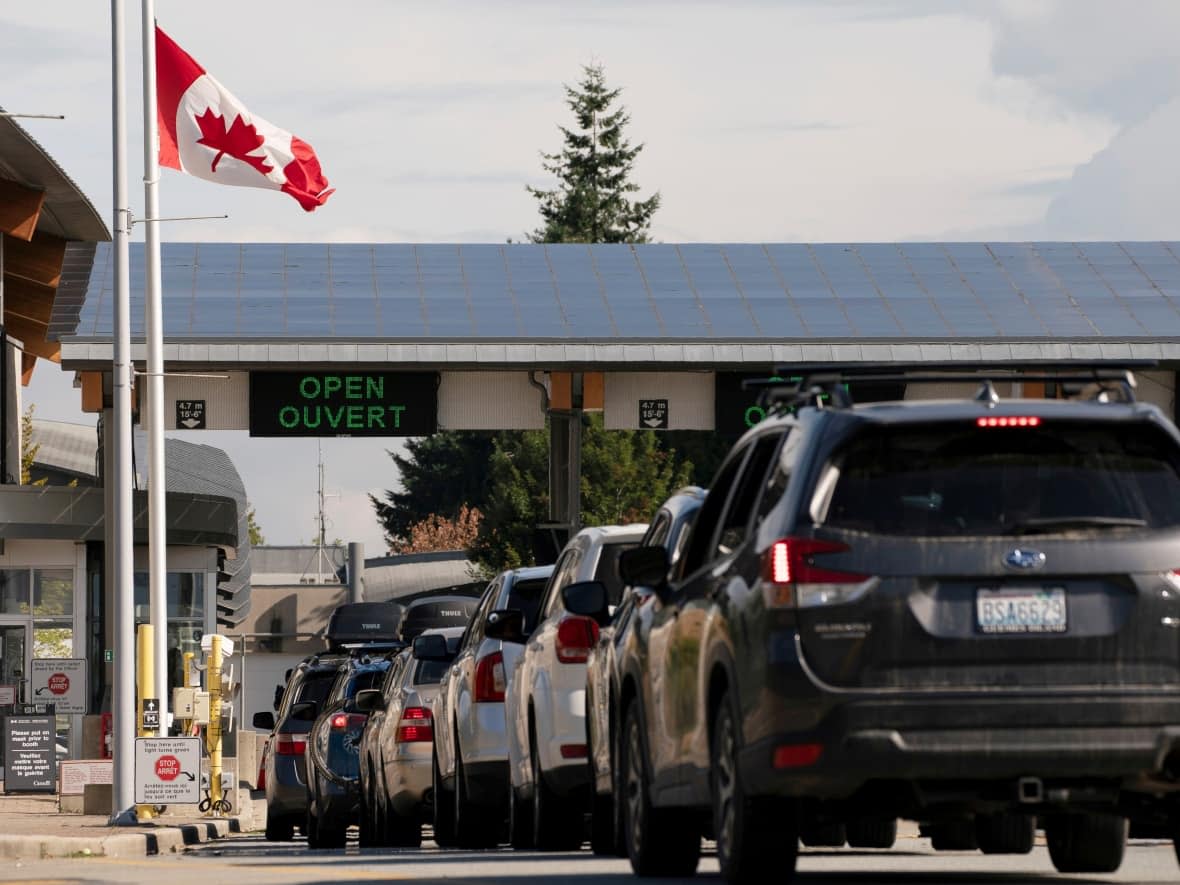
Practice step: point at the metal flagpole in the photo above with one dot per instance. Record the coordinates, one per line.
(122, 557)
(157, 509)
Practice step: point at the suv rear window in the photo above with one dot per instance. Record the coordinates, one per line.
(430, 672)
(955, 478)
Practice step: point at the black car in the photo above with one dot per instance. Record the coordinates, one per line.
(960, 612)
(332, 753)
(668, 529)
(283, 768)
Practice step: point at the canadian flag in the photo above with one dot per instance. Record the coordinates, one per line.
(207, 132)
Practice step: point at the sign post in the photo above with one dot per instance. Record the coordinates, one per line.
(168, 771)
(59, 681)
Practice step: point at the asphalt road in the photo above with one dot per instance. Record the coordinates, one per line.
(250, 859)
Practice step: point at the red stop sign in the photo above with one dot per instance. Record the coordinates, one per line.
(167, 768)
(59, 683)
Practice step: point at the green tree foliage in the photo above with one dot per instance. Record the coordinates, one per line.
(257, 539)
(625, 478)
(439, 475)
(28, 449)
(592, 202)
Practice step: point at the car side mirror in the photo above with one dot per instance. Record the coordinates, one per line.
(304, 711)
(587, 598)
(369, 700)
(645, 567)
(505, 624)
(432, 647)
(264, 721)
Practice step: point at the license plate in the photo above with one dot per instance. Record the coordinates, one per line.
(1021, 610)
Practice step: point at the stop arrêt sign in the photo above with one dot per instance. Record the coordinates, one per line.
(59, 683)
(167, 768)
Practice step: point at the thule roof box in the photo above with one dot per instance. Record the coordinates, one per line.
(828, 386)
(371, 625)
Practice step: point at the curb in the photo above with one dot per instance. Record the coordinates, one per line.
(162, 840)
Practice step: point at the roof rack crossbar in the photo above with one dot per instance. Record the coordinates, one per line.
(827, 386)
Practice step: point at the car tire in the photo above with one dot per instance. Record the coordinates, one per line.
(365, 826)
(871, 832)
(823, 835)
(402, 831)
(444, 809)
(750, 839)
(474, 827)
(958, 835)
(557, 821)
(602, 826)
(1086, 843)
(311, 827)
(520, 821)
(660, 841)
(1005, 833)
(279, 828)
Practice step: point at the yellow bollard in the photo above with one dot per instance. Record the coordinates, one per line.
(213, 729)
(146, 685)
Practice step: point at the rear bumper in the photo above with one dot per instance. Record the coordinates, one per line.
(1125, 739)
(286, 791)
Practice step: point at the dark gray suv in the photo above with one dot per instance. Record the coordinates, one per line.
(960, 612)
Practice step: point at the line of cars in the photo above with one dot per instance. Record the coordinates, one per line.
(960, 613)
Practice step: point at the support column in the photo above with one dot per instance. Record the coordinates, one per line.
(565, 464)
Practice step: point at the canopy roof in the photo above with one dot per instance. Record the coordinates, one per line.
(707, 304)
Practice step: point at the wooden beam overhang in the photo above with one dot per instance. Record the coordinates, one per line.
(20, 209)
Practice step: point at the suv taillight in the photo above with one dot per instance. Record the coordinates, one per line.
(416, 726)
(791, 579)
(260, 781)
(290, 744)
(489, 678)
(345, 721)
(576, 635)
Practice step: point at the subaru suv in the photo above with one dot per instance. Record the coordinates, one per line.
(963, 613)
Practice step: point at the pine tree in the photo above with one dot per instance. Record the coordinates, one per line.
(592, 202)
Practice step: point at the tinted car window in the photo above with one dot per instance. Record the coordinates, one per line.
(526, 596)
(750, 486)
(955, 478)
(607, 570)
(430, 672)
(315, 687)
(697, 552)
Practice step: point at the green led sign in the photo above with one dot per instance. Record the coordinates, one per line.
(343, 403)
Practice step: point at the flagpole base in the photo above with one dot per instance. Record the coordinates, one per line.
(125, 818)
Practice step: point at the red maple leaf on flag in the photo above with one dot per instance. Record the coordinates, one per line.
(237, 141)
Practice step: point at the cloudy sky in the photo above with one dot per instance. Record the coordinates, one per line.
(763, 120)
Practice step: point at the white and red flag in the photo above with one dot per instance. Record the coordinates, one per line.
(207, 132)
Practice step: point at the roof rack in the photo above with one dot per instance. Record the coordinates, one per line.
(827, 386)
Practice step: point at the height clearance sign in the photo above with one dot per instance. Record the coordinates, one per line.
(343, 403)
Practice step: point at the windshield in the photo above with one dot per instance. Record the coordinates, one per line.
(956, 478)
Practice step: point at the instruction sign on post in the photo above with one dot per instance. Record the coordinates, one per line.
(59, 681)
(30, 754)
(168, 771)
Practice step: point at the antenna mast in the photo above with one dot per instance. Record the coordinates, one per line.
(321, 554)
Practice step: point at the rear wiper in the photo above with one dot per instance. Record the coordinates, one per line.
(1047, 524)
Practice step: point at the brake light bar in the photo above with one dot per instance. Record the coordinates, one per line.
(797, 755)
(1008, 421)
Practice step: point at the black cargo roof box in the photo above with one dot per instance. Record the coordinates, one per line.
(436, 611)
(364, 623)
